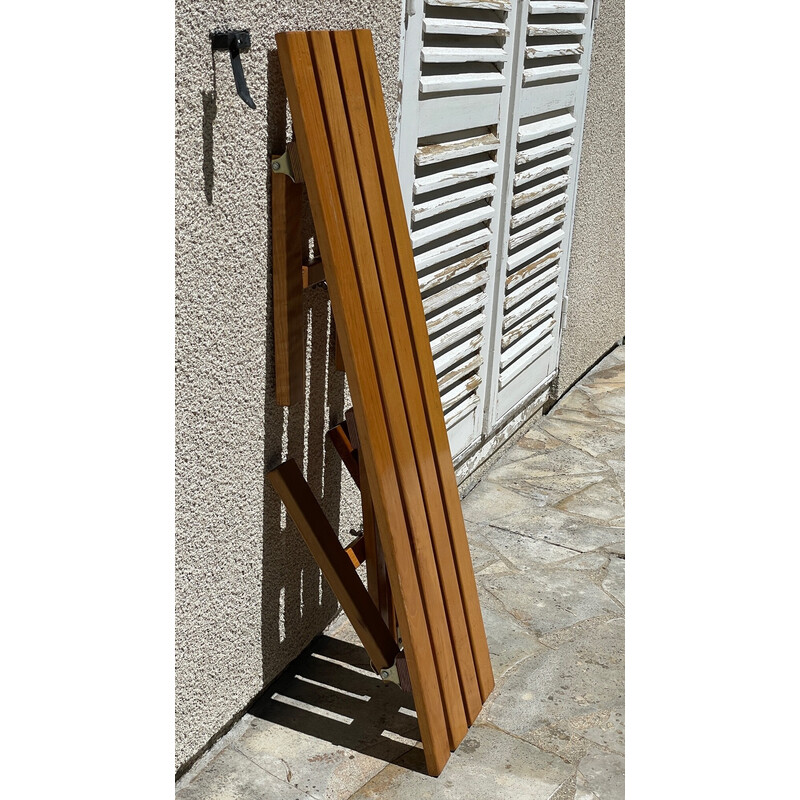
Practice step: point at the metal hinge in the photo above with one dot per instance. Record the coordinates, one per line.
(595, 10)
(564, 306)
(411, 8)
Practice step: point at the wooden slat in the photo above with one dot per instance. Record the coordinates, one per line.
(356, 552)
(335, 564)
(454, 292)
(405, 354)
(321, 182)
(287, 289)
(341, 441)
(508, 375)
(313, 274)
(348, 164)
(421, 346)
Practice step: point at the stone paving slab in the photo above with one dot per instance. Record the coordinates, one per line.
(546, 535)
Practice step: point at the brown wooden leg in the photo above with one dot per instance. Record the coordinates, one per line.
(334, 562)
(287, 289)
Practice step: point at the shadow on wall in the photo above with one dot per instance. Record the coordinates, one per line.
(296, 601)
(330, 692)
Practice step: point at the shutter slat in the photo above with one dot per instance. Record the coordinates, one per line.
(457, 312)
(508, 375)
(525, 342)
(453, 55)
(535, 211)
(525, 309)
(439, 205)
(525, 290)
(513, 279)
(514, 334)
(460, 81)
(459, 391)
(551, 71)
(457, 373)
(537, 7)
(542, 150)
(557, 29)
(539, 171)
(434, 153)
(459, 412)
(454, 175)
(464, 27)
(536, 130)
(527, 234)
(449, 249)
(448, 339)
(450, 226)
(454, 292)
(537, 191)
(449, 357)
(497, 5)
(553, 50)
(440, 276)
(533, 250)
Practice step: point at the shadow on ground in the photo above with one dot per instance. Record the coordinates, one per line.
(330, 692)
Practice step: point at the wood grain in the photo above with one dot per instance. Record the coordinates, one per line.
(287, 289)
(334, 562)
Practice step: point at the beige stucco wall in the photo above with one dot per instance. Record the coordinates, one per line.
(596, 282)
(248, 594)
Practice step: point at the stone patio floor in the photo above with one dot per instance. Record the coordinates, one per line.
(546, 532)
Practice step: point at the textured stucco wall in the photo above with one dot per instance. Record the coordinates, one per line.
(248, 594)
(596, 282)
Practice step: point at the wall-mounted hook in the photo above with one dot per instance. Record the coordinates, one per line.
(235, 42)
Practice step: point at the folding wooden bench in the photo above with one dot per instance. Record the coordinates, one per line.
(401, 459)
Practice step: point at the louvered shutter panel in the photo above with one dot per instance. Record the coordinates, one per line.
(493, 93)
(454, 118)
(553, 53)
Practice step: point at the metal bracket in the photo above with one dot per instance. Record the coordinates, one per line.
(235, 42)
(390, 675)
(288, 164)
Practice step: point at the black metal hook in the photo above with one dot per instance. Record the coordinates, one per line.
(235, 42)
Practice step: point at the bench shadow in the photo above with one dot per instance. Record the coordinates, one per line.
(330, 692)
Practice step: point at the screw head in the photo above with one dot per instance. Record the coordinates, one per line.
(275, 166)
(384, 674)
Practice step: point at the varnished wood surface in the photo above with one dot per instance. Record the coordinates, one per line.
(287, 289)
(340, 125)
(335, 563)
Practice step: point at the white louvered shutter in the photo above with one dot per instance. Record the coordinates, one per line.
(487, 156)
(553, 51)
(454, 116)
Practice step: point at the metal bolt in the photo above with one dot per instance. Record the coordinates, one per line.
(385, 674)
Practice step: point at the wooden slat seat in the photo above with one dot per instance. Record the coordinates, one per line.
(348, 166)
